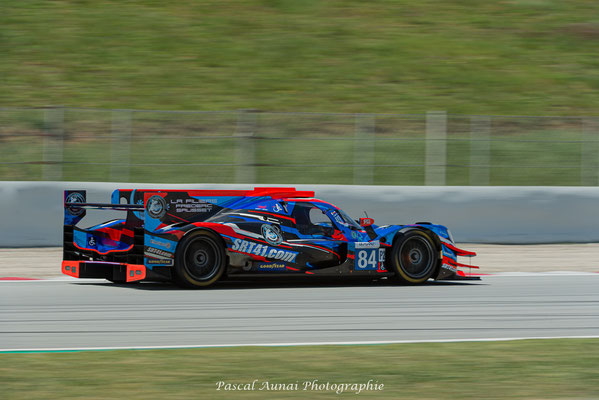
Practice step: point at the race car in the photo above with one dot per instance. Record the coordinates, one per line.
(197, 237)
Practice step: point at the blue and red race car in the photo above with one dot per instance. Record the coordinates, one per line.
(196, 237)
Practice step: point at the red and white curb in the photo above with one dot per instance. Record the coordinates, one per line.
(14, 279)
(17, 278)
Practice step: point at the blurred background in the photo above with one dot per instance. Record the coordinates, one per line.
(275, 91)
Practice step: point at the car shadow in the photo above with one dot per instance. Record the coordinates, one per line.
(278, 283)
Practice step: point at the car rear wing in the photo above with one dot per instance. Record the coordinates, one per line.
(75, 205)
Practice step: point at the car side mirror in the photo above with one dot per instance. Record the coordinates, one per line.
(366, 222)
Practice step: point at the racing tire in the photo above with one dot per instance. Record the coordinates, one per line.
(414, 257)
(200, 260)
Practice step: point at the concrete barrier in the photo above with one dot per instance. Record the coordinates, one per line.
(31, 213)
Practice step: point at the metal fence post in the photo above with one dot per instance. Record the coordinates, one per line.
(436, 148)
(364, 149)
(53, 144)
(589, 152)
(480, 151)
(245, 154)
(120, 146)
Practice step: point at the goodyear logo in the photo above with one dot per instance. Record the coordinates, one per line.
(271, 266)
(243, 246)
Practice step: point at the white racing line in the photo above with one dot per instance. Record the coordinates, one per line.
(296, 344)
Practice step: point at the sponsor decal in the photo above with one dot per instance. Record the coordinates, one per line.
(277, 208)
(154, 252)
(244, 246)
(449, 267)
(160, 243)
(156, 207)
(91, 242)
(159, 261)
(271, 266)
(354, 234)
(75, 198)
(382, 255)
(272, 234)
(338, 218)
(375, 244)
(192, 205)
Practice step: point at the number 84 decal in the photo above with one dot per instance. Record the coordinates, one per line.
(367, 259)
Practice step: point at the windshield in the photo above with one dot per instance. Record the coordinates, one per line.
(347, 219)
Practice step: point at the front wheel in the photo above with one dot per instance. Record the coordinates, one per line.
(414, 257)
(200, 260)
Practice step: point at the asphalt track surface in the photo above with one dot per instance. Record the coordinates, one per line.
(84, 314)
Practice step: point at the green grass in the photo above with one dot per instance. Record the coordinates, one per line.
(531, 369)
(519, 57)
(532, 57)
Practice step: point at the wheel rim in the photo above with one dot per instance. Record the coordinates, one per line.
(202, 259)
(416, 257)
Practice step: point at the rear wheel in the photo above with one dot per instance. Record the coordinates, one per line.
(414, 257)
(200, 260)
